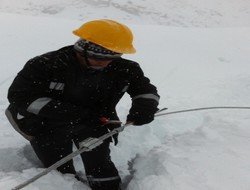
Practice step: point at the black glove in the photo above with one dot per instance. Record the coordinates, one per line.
(142, 111)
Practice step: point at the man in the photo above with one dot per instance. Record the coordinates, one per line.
(61, 97)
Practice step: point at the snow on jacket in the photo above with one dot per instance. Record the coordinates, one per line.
(54, 87)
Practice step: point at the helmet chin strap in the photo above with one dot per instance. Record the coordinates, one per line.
(84, 55)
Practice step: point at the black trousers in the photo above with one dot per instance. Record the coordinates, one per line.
(100, 170)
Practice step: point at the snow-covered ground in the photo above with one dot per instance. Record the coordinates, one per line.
(184, 13)
(192, 67)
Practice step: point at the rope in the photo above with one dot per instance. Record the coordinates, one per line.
(199, 109)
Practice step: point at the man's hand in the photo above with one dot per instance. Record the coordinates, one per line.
(142, 112)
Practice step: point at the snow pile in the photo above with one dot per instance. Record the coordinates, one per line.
(184, 13)
(192, 67)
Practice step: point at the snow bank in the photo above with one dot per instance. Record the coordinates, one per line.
(206, 150)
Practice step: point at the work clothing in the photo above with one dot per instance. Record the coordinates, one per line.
(56, 100)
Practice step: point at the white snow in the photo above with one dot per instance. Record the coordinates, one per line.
(198, 13)
(192, 67)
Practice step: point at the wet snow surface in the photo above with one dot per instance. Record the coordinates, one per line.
(192, 67)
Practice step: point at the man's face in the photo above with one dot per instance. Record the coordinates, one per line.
(95, 63)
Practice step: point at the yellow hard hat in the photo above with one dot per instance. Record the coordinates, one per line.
(109, 34)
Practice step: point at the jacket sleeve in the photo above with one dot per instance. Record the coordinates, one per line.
(142, 92)
(36, 90)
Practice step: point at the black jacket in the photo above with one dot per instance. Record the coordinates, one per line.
(54, 88)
